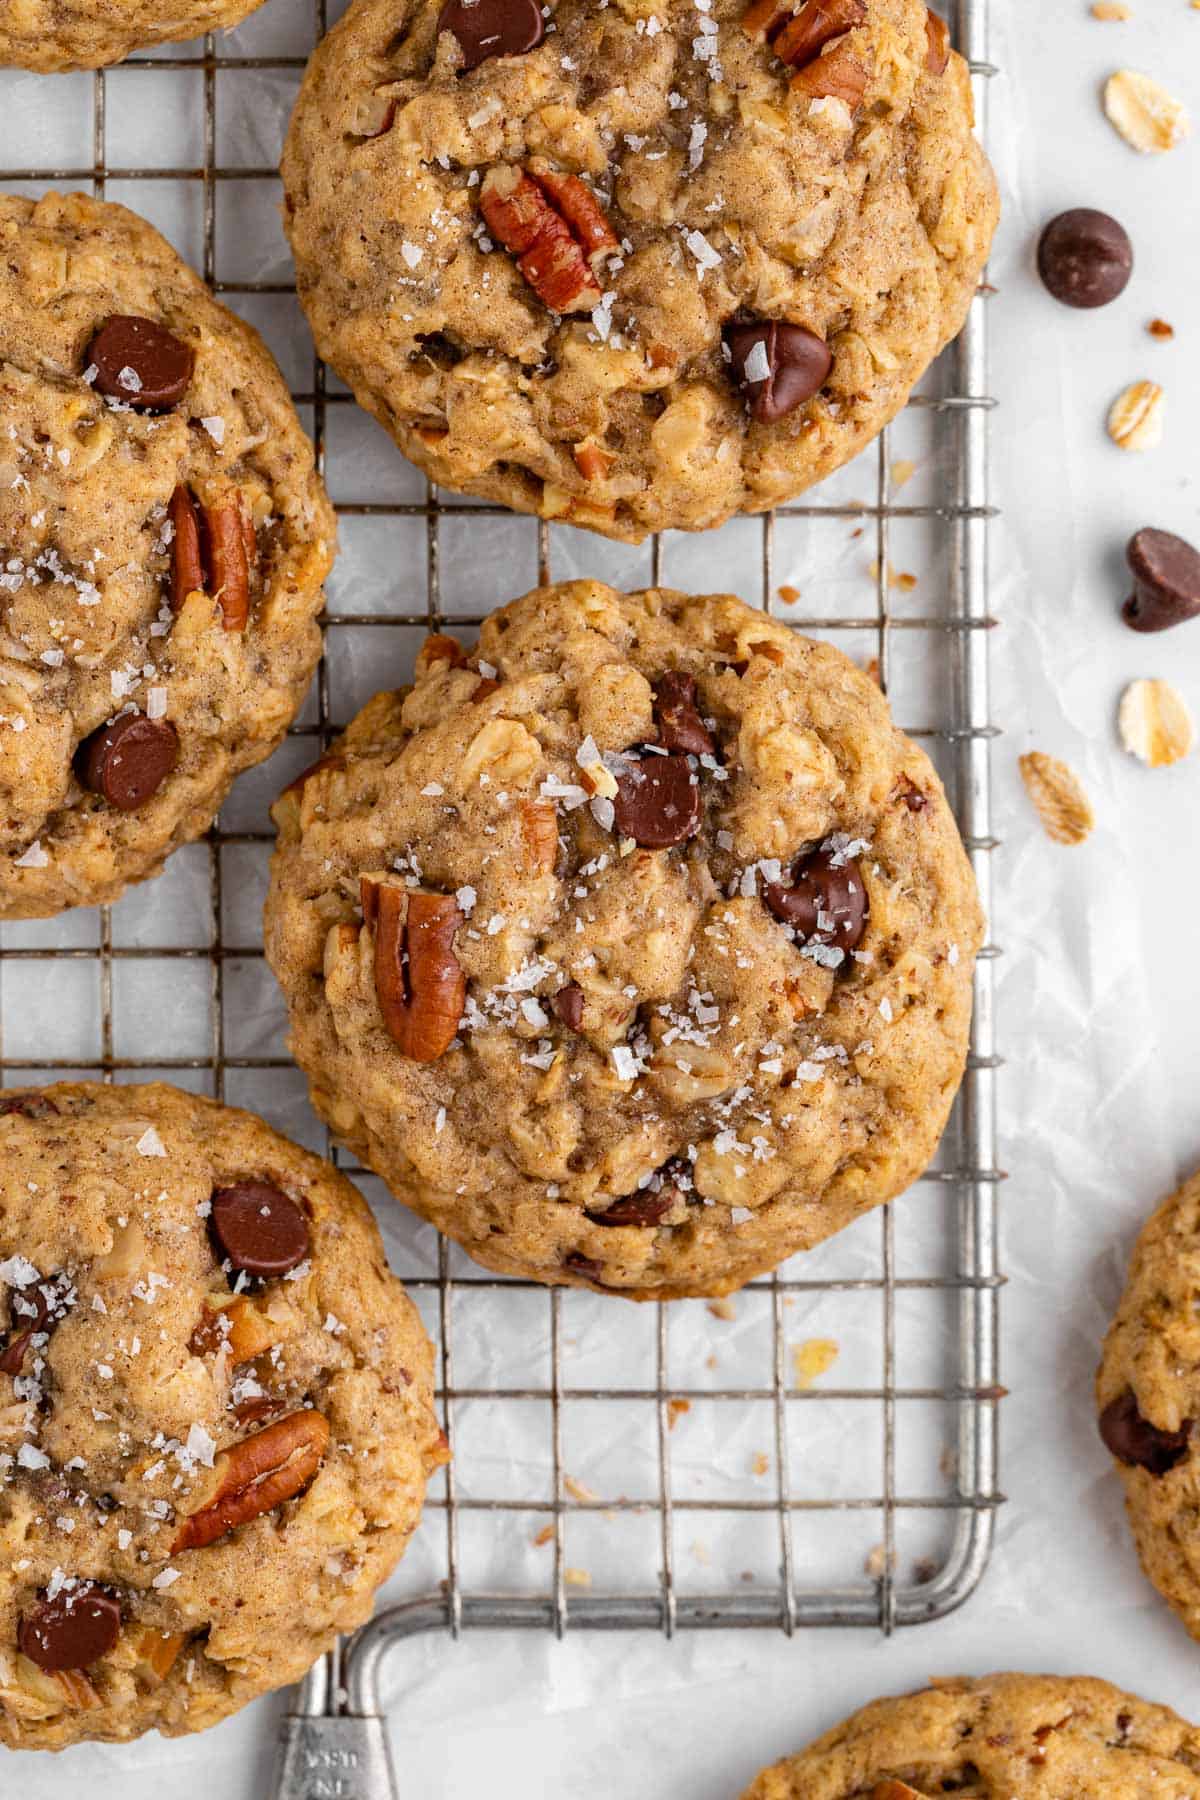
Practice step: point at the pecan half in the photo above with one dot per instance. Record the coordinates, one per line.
(835, 75)
(554, 226)
(797, 35)
(214, 550)
(419, 982)
(257, 1475)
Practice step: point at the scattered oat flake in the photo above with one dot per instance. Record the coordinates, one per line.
(723, 1308)
(580, 1578)
(902, 472)
(760, 1462)
(1155, 724)
(790, 596)
(578, 1490)
(675, 1411)
(1158, 328)
(1135, 418)
(877, 1560)
(1110, 9)
(1149, 118)
(544, 1536)
(1057, 793)
(813, 1358)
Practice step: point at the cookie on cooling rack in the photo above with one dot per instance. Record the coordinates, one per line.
(637, 266)
(216, 1418)
(1003, 1736)
(163, 541)
(1148, 1393)
(633, 950)
(87, 34)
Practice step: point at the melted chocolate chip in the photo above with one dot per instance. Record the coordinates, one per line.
(643, 1208)
(778, 366)
(680, 726)
(73, 1630)
(657, 801)
(486, 28)
(1166, 574)
(1137, 1443)
(579, 1264)
(128, 761)
(30, 1104)
(1084, 257)
(258, 1228)
(140, 362)
(568, 1005)
(825, 901)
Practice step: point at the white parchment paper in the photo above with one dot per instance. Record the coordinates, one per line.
(1099, 990)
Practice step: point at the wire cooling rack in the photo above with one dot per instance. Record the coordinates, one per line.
(820, 1451)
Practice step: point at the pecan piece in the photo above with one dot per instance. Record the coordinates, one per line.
(816, 24)
(554, 226)
(156, 1652)
(419, 982)
(257, 1475)
(539, 835)
(214, 550)
(592, 460)
(836, 75)
(438, 648)
(937, 43)
(249, 1331)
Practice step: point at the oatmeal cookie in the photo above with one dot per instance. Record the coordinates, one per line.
(1003, 1737)
(1148, 1393)
(216, 1416)
(163, 540)
(642, 265)
(633, 950)
(87, 34)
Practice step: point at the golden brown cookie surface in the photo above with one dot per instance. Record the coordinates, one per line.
(216, 1418)
(637, 949)
(86, 34)
(1148, 1393)
(1002, 1737)
(665, 264)
(163, 541)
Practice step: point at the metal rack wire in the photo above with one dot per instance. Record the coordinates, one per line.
(335, 1739)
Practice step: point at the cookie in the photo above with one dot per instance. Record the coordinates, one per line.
(216, 1416)
(633, 950)
(1003, 1737)
(1148, 1393)
(163, 541)
(86, 34)
(635, 266)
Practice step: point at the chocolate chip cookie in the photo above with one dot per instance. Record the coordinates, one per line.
(1004, 1737)
(1148, 1392)
(216, 1418)
(642, 265)
(86, 34)
(634, 950)
(163, 541)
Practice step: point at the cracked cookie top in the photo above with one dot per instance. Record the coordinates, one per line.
(163, 541)
(1002, 1737)
(216, 1419)
(86, 34)
(634, 949)
(1148, 1394)
(642, 264)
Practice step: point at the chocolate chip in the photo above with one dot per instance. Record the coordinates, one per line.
(1137, 1443)
(30, 1105)
(128, 761)
(587, 1266)
(645, 1208)
(657, 802)
(779, 366)
(680, 726)
(568, 1004)
(1166, 574)
(1084, 257)
(49, 1303)
(141, 363)
(915, 798)
(258, 1228)
(75, 1629)
(486, 28)
(825, 901)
